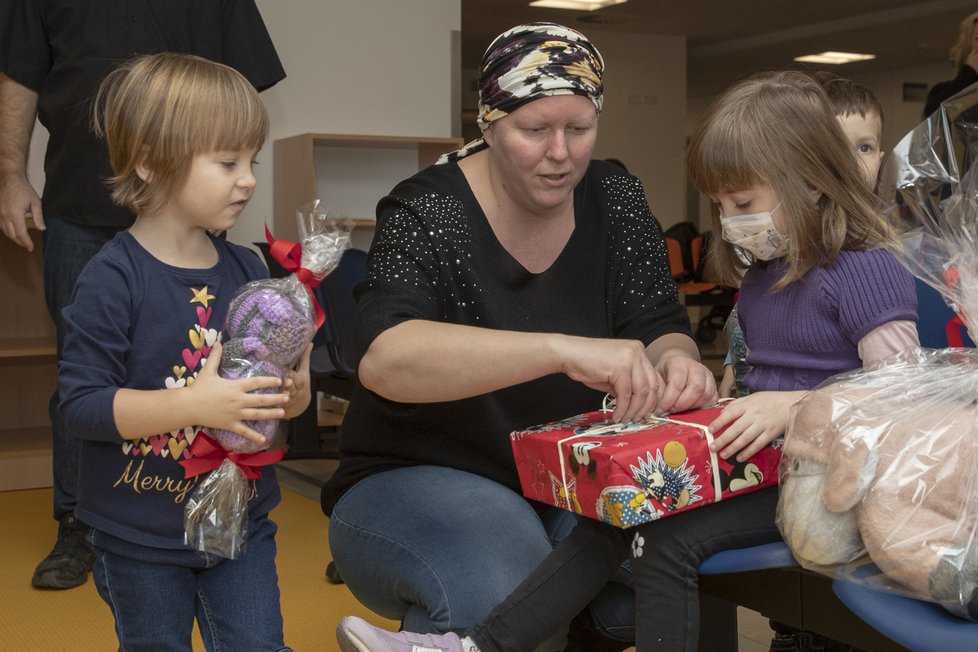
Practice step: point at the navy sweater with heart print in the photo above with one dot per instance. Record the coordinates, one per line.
(136, 322)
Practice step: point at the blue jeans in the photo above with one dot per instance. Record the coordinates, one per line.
(67, 248)
(438, 548)
(156, 594)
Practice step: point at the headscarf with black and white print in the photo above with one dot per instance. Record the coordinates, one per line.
(532, 61)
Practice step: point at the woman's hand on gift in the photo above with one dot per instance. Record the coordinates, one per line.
(298, 385)
(617, 367)
(751, 423)
(688, 383)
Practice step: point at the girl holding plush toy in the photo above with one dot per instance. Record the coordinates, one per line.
(133, 380)
(819, 296)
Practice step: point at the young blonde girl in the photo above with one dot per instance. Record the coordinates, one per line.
(819, 297)
(135, 380)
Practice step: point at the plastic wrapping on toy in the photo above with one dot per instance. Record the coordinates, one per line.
(216, 516)
(930, 186)
(879, 476)
(269, 324)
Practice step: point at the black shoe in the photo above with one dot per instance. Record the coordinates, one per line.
(782, 643)
(68, 564)
(583, 636)
(799, 641)
(790, 639)
(333, 575)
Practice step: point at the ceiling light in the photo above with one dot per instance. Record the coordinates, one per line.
(835, 58)
(580, 5)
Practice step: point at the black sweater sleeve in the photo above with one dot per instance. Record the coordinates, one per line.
(944, 90)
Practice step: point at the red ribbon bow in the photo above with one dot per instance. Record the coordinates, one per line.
(289, 256)
(207, 455)
(955, 326)
(953, 329)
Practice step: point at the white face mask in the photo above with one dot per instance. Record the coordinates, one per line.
(755, 233)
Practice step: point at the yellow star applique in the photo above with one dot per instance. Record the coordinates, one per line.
(201, 296)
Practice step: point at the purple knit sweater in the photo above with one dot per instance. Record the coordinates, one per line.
(801, 335)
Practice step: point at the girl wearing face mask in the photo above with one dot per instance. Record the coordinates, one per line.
(820, 295)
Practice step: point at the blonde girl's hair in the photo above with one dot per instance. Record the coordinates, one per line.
(962, 47)
(779, 129)
(162, 109)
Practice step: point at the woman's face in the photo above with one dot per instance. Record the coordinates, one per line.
(539, 152)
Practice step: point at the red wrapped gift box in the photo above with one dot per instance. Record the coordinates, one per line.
(626, 475)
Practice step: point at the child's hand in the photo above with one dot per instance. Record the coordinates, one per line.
(227, 404)
(728, 387)
(297, 384)
(752, 423)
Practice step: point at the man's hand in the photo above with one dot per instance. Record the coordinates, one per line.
(18, 203)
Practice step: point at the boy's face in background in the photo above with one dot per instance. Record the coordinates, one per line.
(864, 134)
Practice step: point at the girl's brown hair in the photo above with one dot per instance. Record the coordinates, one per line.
(160, 110)
(779, 129)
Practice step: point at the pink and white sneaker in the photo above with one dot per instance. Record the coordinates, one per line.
(357, 635)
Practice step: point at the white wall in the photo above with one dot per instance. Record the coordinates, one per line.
(370, 67)
(643, 120)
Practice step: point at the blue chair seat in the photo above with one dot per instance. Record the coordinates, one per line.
(739, 560)
(915, 624)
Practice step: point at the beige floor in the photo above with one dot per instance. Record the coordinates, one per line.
(305, 477)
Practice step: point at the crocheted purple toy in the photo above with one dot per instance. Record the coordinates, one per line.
(268, 325)
(270, 322)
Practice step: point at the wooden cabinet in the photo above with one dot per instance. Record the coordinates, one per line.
(348, 173)
(28, 365)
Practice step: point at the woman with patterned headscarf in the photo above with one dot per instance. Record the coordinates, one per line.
(513, 284)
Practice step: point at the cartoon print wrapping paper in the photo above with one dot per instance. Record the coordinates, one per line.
(629, 474)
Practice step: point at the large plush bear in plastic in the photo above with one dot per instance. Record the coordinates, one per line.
(899, 484)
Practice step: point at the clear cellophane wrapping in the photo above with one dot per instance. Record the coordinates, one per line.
(879, 478)
(269, 324)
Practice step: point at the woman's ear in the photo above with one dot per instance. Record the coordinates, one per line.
(487, 135)
(143, 169)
